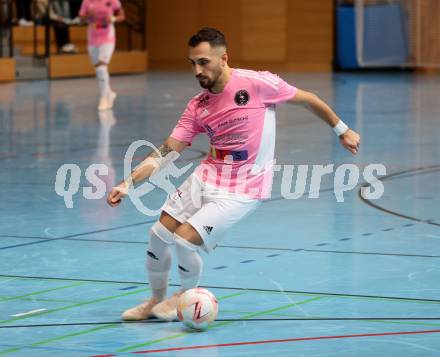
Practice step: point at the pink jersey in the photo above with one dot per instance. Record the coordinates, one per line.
(240, 122)
(101, 31)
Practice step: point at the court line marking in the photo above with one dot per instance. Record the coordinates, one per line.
(63, 308)
(298, 339)
(40, 292)
(397, 175)
(28, 312)
(329, 251)
(371, 253)
(397, 298)
(3, 297)
(240, 247)
(14, 349)
(215, 325)
(77, 235)
(280, 317)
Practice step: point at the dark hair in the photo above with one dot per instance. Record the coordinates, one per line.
(208, 34)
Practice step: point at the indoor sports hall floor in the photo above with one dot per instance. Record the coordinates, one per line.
(300, 277)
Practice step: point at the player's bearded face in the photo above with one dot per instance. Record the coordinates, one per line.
(207, 64)
(209, 78)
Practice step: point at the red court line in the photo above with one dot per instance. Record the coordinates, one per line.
(279, 341)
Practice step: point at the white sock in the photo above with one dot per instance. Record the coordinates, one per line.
(103, 80)
(159, 259)
(190, 263)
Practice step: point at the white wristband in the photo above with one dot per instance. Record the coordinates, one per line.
(340, 128)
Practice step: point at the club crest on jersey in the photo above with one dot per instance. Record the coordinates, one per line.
(241, 97)
(108, 4)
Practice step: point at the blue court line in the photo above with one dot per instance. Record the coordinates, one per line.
(398, 175)
(77, 235)
(80, 239)
(21, 237)
(231, 288)
(331, 251)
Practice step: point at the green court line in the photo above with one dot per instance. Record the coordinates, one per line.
(41, 292)
(215, 325)
(404, 323)
(347, 297)
(232, 295)
(74, 305)
(40, 299)
(10, 350)
(65, 308)
(15, 349)
(323, 317)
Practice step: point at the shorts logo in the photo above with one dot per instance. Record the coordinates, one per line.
(241, 97)
(177, 195)
(208, 229)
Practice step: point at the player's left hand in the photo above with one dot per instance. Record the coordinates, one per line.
(351, 141)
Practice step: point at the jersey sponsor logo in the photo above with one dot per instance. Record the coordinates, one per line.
(241, 97)
(203, 101)
(209, 131)
(208, 229)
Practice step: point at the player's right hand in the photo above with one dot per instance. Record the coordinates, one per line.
(117, 193)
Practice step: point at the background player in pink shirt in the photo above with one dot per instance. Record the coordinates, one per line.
(236, 110)
(101, 16)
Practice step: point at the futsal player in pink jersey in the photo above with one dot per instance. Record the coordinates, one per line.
(101, 39)
(236, 109)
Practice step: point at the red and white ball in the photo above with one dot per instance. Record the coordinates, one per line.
(197, 308)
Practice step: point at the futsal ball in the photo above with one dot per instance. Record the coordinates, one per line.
(197, 308)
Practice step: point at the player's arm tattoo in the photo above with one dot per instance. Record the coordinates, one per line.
(164, 150)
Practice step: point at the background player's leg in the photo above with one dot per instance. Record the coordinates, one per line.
(103, 77)
(107, 96)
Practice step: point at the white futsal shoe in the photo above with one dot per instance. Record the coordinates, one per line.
(167, 309)
(140, 312)
(106, 101)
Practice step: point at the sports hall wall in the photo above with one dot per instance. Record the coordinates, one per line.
(278, 35)
(274, 35)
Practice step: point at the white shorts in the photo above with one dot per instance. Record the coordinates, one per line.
(210, 211)
(102, 53)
